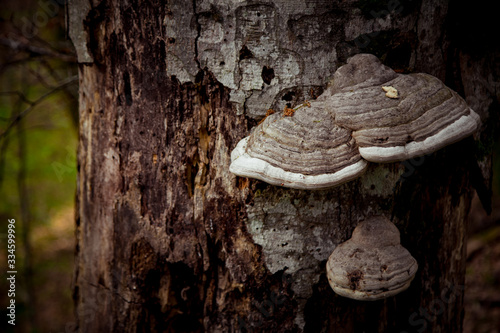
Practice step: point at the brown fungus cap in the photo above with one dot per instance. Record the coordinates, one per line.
(372, 264)
(361, 70)
(305, 151)
(423, 117)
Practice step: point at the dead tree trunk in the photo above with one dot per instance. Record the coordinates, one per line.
(170, 241)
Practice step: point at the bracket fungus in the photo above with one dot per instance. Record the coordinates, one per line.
(369, 112)
(372, 264)
(425, 116)
(304, 151)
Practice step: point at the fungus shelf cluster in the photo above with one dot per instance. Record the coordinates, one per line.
(369, 113)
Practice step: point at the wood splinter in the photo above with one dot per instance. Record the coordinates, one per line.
(289, 112)
(268, 113)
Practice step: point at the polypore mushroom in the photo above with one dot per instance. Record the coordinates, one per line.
(395, 116)
(372, 264)
(368, 111)
(304, 151)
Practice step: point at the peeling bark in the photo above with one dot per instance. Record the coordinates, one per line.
(170, 241)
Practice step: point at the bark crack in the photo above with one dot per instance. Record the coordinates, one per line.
(198, 34)
(114, 292)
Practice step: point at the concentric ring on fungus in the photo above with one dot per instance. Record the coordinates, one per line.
(425, 117)
(306, 151)
(372, 264)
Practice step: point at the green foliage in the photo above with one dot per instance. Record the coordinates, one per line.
(38, 141)
(50, 161)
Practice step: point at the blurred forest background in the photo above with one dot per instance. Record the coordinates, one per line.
(38, 142)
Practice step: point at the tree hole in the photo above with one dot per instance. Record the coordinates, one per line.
(245, 53)
(288, 96)
(267, 74)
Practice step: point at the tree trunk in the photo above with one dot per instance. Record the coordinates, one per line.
(170, 241)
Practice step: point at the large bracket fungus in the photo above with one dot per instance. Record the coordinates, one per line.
(370, 113)
(424, 117)
(305, 151)
(372, 264)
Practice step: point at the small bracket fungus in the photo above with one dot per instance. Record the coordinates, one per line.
(327, 142)
(372, 264)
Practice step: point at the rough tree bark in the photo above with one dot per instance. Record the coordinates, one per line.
(170, 241)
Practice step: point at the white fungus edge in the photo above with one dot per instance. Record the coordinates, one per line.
(244, 165)
(370, 295)
(464, 126)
